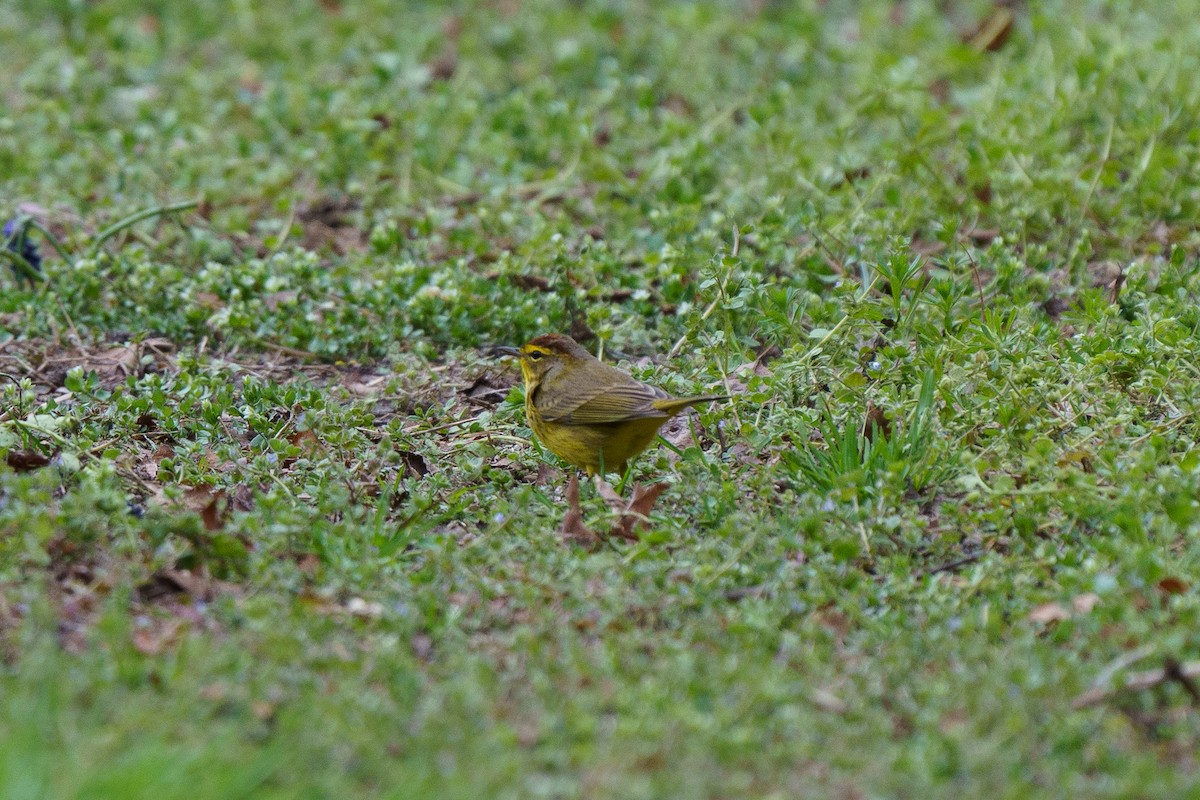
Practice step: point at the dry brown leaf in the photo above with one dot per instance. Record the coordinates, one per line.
(678, 431)
(765, 355)
(209, 503)
(157, 635)
(609, 495)
(833, 620)
(487, 390)
(1055, 307)
(1173, 585)
(168, 582)
(25, 460)
(415, 463)
(242, 498)
(678, 104)
(738, 379)
(1107, 275)
(114, 364)
(328, 222)
(876, 422)
(275, 300)
(1049, 613)
(1084, 603)
(158, 345)
(208, 300)
(546, 475)
(307, 441)
(636, 515)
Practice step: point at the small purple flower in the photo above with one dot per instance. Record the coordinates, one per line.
(16, 240)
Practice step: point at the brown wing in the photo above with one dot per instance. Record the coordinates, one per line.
(616, 403)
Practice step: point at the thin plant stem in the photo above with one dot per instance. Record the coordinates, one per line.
(133, 219)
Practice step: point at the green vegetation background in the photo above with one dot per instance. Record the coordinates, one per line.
(270, 526)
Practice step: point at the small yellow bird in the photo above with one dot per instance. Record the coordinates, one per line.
(589, 414)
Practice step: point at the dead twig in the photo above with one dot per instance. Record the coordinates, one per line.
(953, 565)
(1184, 674)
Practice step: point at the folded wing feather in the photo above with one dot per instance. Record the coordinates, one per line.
(619, 403)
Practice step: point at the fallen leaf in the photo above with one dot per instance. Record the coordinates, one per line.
(876, 423)
(1048, 613)
(415, 463)
(209, 503)
(529, 282)
(637, 513)
(208, 300)
(766, 354)
(327, 222)
(678, 431)
(1055, 307)
(833, 620)
(25, 460)
(677, 104)
(168, 582)
(487, 390)
(1173, 585)
(1107, 275)
(546, 474)
(631, 515)
(1084, 603)
(242, 498)
(609, 495)
(306, 441)
(738, 380)
(156, 635)
(579, 330)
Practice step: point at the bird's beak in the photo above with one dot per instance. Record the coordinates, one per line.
(495, 351)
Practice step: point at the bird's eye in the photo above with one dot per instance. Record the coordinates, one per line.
(535, 355)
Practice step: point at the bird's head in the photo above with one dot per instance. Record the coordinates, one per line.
(545, 355)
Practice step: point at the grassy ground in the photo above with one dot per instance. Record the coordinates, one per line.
(270, 525)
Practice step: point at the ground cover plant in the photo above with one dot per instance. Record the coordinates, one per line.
(271, 524)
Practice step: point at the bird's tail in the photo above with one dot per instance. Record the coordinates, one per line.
(673, 405)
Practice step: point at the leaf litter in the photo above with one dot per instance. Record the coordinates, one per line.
(632, 515)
